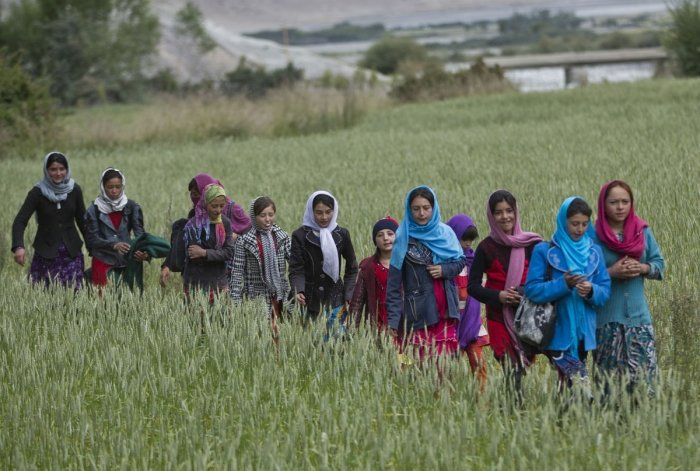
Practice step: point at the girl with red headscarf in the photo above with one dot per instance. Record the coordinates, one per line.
(625, 333)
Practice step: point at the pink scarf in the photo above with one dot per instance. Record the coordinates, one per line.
(633, 242)
(517, 242)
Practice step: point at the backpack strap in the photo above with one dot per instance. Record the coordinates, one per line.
(548, 270)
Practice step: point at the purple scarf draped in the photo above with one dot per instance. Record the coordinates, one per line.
(240, 222)
(470, 318)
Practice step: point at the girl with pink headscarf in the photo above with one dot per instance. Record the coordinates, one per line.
(503, 257)
(240, 221)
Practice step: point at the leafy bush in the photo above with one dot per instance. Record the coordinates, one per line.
(27, 111)
(254, 82)
(387, 54)
(683, 39)
(434, 83)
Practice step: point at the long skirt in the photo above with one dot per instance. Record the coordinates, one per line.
(432, 341)
(63, 269)
(627, 350)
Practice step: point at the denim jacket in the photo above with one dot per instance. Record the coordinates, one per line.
(410, 298)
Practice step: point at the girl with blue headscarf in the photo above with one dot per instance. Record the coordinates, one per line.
(422, 302)
(577, 282)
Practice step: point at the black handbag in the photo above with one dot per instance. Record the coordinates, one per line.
(534, 323)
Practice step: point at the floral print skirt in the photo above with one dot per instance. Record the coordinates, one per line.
(63, 269)
(624, 350)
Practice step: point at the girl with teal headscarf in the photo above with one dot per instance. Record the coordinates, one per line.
(578, 283)
(422, 301)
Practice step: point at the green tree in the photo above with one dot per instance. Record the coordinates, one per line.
(683, 38)
(27, 111)
(388, 53)
(190, 22)
(89, 49)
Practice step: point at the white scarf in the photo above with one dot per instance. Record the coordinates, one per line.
(104, 203)
(331, 263)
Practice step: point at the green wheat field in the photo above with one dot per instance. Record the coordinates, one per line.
(132, 382)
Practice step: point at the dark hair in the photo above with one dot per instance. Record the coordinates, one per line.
(262, 203)
(470, 233)
(57, 157)
(193, 185)
(501, 195)
(422, 192)
(111, 173)
(621, 184)
(578, 206)
(325, 199)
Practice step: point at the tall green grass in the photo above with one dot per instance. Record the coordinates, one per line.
(131, 382)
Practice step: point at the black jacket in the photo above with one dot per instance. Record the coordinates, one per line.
(54, 225)
(101, 235)
(306, 269)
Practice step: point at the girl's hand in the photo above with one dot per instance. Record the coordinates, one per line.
(393, 332)
(510, 296)
(140, 256)
(234, 236)
(572, 280)
(625, 268)
(164, 276)
(301, 299)
(195, 251)
(20, 255)
(435, 271)
(584, 288)
(122, 248)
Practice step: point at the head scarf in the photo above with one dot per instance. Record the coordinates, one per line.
(201, 222)
(517, 241)
(633, 242)
(576, 255)
(331, 263)
(104, 203)
(55, 192)
(576, 252)
(239, 220)
(202, 180)
(271, 274)
(435, 235)
(459, 224)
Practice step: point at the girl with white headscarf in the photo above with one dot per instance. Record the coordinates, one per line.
(111, 221)
(314, 264)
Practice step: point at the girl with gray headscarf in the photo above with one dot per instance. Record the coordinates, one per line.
(58, 204)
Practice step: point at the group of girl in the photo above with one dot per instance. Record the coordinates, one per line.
(423, 286)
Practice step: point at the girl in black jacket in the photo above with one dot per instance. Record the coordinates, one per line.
(58, 203)
(314, 262)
